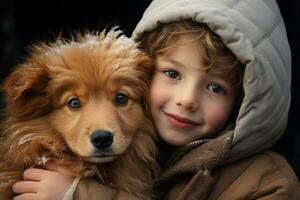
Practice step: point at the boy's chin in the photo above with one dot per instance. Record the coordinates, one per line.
(174, 140)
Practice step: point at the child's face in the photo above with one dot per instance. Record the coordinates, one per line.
(188, 103)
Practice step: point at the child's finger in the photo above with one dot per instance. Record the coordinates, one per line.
(35, 174)
(27, 196)
(25, 187)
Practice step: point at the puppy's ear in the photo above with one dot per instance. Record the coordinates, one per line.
(25, 89)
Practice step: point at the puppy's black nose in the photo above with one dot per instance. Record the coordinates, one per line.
(102, 139)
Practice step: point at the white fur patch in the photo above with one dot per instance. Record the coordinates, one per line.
(42, 161)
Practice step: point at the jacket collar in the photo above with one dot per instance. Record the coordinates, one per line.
(202, 157)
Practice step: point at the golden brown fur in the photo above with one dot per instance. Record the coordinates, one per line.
(43, 125)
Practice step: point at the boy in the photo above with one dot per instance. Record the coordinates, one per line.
(219, 98)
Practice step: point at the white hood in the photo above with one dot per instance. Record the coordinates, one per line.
(254, 31)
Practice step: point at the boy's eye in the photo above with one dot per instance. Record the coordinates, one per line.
(172, 74)
(215, 88)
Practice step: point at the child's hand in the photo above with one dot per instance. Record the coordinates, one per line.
(41, 184)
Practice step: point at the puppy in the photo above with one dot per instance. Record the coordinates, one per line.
(81, 103)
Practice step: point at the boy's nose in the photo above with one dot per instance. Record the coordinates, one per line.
(188, 105)
(188, 101)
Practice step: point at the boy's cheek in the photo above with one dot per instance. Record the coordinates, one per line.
(157, 96)
(218, 117)
(156, 100)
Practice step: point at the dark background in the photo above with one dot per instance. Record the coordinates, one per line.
(25, 22)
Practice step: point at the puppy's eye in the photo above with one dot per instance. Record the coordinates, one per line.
(74, 103)
(120, 99)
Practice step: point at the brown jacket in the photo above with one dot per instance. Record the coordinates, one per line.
(264, 176)
(200, 175)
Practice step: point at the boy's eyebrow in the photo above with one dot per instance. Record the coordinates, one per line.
(216, 74)
(212, 72)
(173, 61)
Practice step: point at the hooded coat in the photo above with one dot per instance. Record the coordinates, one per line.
(236, 164)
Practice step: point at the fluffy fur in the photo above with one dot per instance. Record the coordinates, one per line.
(67, 91)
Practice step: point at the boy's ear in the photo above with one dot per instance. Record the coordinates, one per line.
(25, 89)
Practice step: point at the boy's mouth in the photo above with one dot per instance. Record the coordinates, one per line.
(180, 122)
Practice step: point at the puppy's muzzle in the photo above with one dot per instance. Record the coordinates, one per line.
(102, 139)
